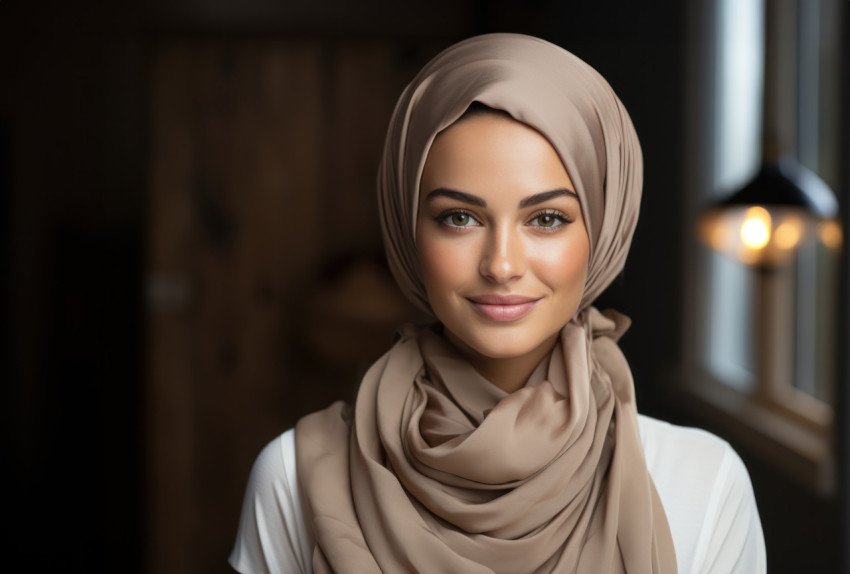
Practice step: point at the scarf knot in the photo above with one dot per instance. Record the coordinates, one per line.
(445, 465)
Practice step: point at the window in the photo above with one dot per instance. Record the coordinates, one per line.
(773, 393)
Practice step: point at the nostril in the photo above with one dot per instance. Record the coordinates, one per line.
(503, 262)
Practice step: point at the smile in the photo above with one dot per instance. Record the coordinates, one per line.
(503, 308)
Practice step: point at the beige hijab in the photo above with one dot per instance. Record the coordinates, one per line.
(436, 469)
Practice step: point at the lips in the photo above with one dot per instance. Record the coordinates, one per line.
(503, 308)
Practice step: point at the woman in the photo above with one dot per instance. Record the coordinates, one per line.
(504, 438)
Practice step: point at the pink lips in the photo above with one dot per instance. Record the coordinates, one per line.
(503, 308)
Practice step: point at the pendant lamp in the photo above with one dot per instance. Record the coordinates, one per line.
(764, 222)
(762, 225)
(785, 204)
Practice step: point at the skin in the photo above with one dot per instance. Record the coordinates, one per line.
(498, 218)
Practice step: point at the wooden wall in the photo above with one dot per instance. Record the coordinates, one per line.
(265, 288)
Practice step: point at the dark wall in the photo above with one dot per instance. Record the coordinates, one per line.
(843, 346)
(72, 176)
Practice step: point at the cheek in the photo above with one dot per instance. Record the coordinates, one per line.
(565, 269)
(442, 265)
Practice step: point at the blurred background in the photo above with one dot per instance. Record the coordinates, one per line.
(192, 259)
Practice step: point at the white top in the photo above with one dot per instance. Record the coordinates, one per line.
(703, 485)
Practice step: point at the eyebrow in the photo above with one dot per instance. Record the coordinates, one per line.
(545, 196)
(535, 199)
(458, 195)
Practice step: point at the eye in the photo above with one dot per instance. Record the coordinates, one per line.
(549, 219)
(457, 219)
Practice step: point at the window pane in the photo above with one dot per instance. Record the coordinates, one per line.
(728, 310)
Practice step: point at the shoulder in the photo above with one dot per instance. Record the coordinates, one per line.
(707, 495)
(274, 466)
(682, 452)
(272, 535)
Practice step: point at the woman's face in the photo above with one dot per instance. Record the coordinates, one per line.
(502, 243)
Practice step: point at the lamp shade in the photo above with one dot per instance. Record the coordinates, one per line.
(763, 223)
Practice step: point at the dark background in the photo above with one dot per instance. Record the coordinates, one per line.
(74, 174)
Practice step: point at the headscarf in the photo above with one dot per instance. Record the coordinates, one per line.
(438, 470)
(538, 84)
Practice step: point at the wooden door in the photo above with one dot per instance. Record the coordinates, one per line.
(263, 157)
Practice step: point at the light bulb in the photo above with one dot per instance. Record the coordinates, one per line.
(787, 235)
(755, 231)
(831, 235)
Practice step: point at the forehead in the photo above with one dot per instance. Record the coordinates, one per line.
(488, 151)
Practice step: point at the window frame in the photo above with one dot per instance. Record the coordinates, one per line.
(789, 429)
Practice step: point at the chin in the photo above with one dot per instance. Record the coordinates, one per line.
(505, 345)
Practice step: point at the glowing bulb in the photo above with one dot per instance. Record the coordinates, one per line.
(787, 235)
(755, 231)
(714, 231)
(830, 234)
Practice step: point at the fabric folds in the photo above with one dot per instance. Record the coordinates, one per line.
(440, 471)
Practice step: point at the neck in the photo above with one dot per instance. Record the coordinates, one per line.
(507, 373)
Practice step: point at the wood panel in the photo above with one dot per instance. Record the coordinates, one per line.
(267, 293)
(232, 231)
(362, 93)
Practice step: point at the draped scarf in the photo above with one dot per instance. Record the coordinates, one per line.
(435, 469)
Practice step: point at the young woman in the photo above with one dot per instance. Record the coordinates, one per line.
(505, 437)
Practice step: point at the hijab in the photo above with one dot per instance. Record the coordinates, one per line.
(435, 469)
(540, 85)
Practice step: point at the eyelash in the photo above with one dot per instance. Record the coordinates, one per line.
(564, 219)
(443, 218)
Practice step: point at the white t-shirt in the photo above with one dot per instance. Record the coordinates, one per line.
(703, 485)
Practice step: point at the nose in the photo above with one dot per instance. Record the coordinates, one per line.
(503, 258)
